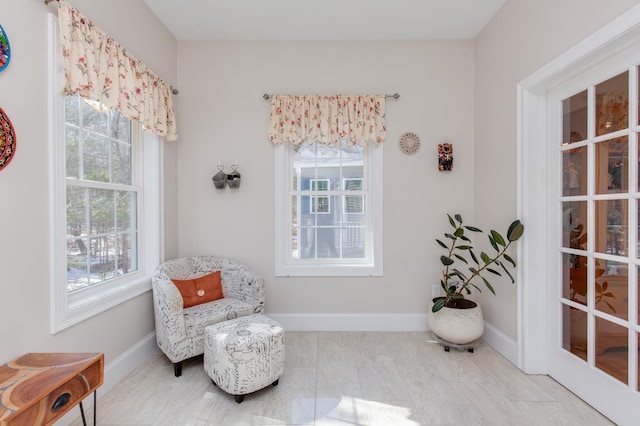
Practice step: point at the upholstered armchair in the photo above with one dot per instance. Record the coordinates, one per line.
(180, 331)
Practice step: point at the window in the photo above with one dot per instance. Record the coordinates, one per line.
(328, 213)
(105, 203)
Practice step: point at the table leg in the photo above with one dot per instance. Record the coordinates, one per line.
(84, 421)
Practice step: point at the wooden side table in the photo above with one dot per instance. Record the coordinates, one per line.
(39, 388)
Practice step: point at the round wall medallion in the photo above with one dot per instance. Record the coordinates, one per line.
(7, 140)
(409, 143)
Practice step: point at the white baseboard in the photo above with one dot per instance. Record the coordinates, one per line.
(352, 322)
(114, 372)
(499, 341)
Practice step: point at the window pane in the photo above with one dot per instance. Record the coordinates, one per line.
(120, 127)
(612, 166)
(612, 289)
(101, 217)
(72, 110)
(72, 151)
(77, 264)
(574, 278)
(612, 348)
(612, 216)
(102, 266)
(574, 163)
(126, 211)
(94, 120)
(574, 331)
(574, 115)
(574, 225)
(127, 253)
(612, 104)
(96, 158)
(77, 218)
(121, 162)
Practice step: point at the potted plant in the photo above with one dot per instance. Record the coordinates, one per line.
(453, 318)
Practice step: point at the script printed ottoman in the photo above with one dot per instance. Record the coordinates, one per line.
(244, 354)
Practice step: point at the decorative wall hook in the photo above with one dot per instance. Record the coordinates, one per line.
(233, 178)
(220, 178)
(445, 156)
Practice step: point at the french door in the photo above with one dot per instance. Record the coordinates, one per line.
(594, 252)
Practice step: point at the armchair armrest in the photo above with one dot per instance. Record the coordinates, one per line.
(240, 282)
(171, 332)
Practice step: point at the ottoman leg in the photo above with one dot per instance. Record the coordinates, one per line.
(275, 383)
(239, 398)
(214, 383)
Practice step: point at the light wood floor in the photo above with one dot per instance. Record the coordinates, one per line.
(353, 378)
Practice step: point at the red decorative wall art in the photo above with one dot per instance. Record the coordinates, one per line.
(7, 140)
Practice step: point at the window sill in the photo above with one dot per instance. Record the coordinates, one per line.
(89, 302)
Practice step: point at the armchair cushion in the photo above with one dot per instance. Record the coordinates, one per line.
(200, 290)
(197, 318)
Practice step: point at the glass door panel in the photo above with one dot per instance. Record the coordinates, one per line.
(612, 349)
(574, 118)
(612, 166)
(612, 227)
(612, 104)
(574, 278)
(574, 336)
(574, 164)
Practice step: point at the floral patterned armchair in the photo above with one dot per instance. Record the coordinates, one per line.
(180, 331)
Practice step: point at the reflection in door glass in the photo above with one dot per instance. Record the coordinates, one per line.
(574, 225)
(612, 349)
(574, 171)
(612, 288)
(574, 118)
(612, 216)
(612, 166)
(574, 335)
(574, 278)
(612, 104)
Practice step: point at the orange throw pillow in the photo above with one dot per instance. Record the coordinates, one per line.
(200, 290)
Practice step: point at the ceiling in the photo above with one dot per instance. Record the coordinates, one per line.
(324, 20)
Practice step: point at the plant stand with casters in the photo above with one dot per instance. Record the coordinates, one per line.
(469, 347)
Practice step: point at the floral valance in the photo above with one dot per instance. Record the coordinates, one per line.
(327, 119)
(99, 69)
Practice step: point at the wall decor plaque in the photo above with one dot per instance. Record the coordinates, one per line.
(409, 143)
(5, 50)
(7, 140)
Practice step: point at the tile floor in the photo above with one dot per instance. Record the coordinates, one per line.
(353, 378)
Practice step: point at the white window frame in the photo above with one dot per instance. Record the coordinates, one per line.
(68, 309)
(357, 194)
(372, 264)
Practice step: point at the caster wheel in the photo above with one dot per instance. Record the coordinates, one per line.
(446, 348)
(470, 350)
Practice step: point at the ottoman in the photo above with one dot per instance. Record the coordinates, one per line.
(244, 354)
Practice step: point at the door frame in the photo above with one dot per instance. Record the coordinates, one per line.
(532, 145)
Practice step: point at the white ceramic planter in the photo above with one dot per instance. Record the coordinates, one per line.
(456, 325)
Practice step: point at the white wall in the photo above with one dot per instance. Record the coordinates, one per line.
(224, 118)
(521, 38)
(24, 209)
